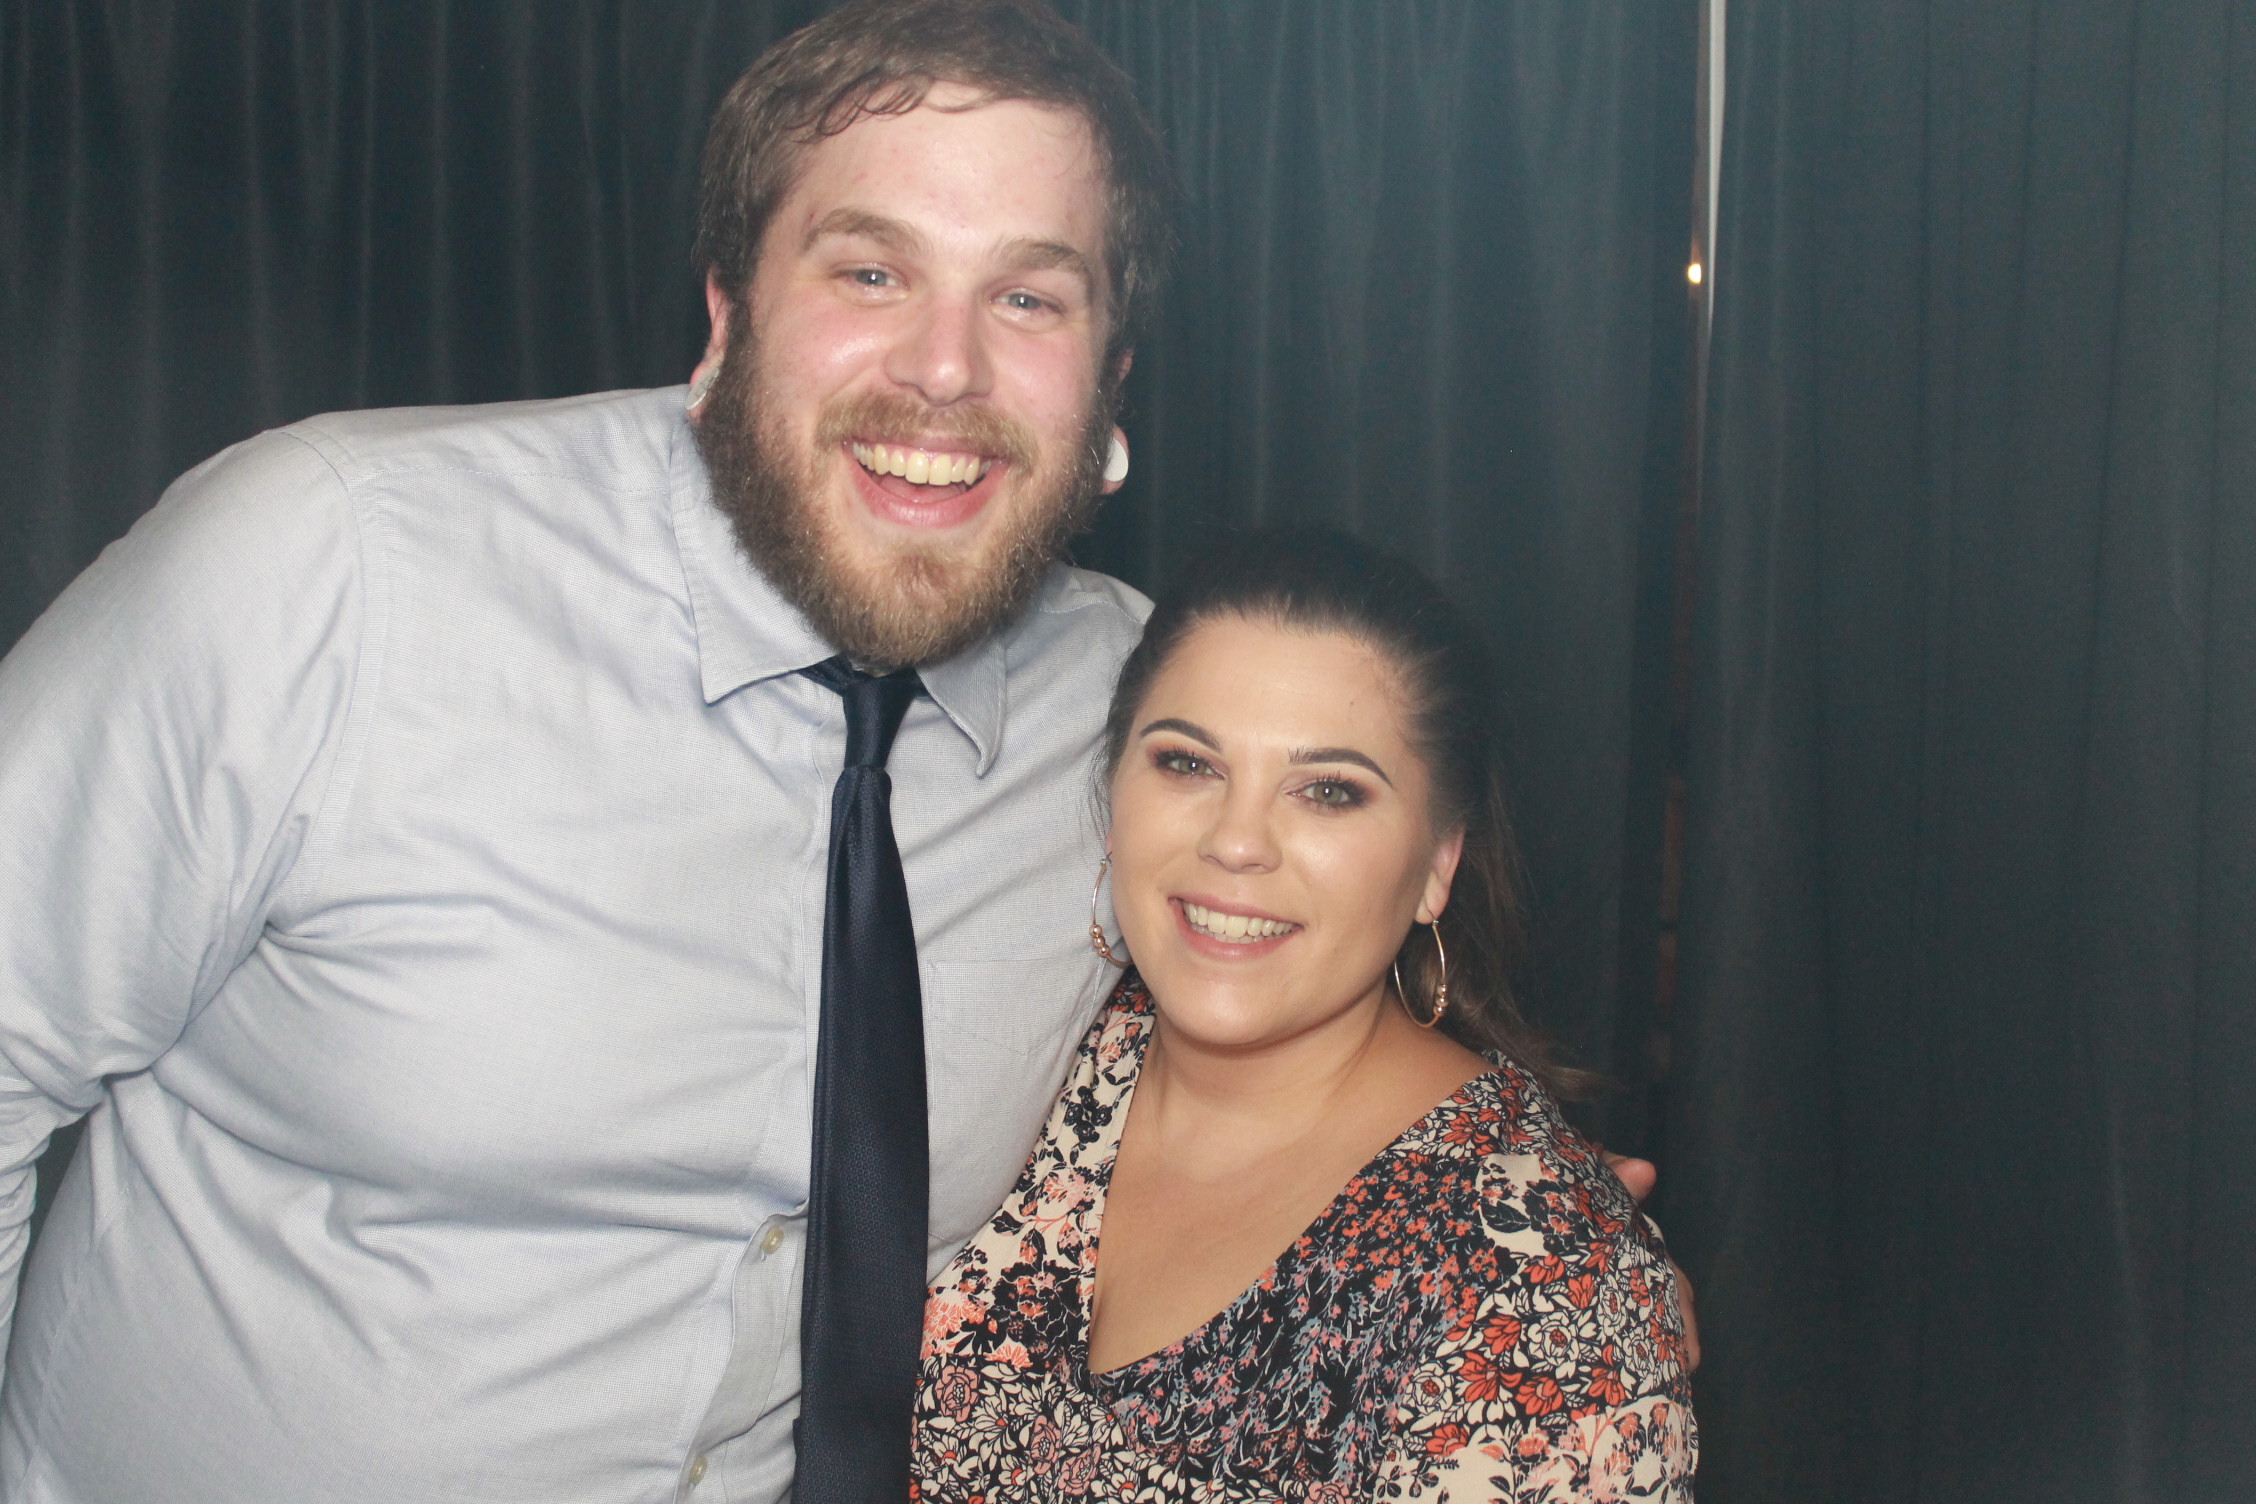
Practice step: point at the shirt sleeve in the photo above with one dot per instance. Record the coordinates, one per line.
(166, 728)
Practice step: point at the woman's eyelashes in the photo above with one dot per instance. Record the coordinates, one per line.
(1182, 763)
(1332, 792)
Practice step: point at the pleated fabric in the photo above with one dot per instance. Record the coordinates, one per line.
(1959, 1127)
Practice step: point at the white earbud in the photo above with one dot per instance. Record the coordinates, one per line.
(1116, 462)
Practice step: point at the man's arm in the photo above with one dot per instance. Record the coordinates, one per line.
(164, 728)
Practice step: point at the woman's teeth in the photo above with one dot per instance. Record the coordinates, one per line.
(921, 467)
(1240, 927)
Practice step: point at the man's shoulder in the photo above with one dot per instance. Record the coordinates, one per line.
(1080, 617)
(615, 440)
(1069, 591)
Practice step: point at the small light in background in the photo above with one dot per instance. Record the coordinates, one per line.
(1694, 273)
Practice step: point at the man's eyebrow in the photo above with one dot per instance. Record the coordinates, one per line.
(1191, 729)
(885, 230)
(1050, 255)
(1340, 754)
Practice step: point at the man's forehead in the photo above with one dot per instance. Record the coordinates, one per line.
(1018, 182)
(1042, 154)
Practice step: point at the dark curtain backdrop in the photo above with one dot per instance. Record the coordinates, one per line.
(1961, 1124)
(1430, 290)
(1958, 1136)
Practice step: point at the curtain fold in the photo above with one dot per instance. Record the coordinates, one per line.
(1962, 1096)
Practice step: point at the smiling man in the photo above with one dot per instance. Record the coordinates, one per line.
(431, 864)
(912, 415)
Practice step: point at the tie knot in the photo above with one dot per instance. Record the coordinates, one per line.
(875, 704)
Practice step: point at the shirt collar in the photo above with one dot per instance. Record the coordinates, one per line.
(747, 632)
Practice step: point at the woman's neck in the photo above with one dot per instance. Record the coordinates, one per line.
(1242, 1102)
(1229, 1154)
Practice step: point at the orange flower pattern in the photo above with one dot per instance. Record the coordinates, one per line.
(1481, 1314)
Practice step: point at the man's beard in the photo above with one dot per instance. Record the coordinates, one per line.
(920, 603)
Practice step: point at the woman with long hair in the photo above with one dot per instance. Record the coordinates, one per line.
(1306, 1223)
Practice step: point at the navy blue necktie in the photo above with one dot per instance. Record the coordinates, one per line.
(862, 1321)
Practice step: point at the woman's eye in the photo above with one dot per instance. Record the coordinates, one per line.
(1188, 764)
(1333, 793)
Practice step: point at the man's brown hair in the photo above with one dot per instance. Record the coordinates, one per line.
(881, 57)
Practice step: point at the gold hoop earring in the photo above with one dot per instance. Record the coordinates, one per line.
(1097, 941)
(1441, 992)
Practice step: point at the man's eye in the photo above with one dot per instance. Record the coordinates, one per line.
(1188, 764)
(1334, 793)
(1025, 302)
(869, 276)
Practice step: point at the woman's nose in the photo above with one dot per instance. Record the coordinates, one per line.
(1241, 839)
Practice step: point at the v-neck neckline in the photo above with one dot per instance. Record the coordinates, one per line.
(1110, 1383)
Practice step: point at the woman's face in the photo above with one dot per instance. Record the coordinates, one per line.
(1271, 836)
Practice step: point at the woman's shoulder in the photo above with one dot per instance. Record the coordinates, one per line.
(1569, 1335)
(1086, 1123)
(1122, 1025)
(1494, 1168)
(1503, 1110)
(1505, 1130)
(1543, 1197)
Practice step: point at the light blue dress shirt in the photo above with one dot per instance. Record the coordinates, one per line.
(415, 838)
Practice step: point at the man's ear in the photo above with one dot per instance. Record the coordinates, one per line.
(1116, 463)
(717, 306)
(1119, 456)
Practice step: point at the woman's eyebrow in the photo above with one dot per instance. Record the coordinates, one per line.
(1191, 729)
(1341, 754)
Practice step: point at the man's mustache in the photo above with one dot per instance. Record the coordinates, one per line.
(891, 418)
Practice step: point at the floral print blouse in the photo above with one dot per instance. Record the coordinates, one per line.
(1481, 1314)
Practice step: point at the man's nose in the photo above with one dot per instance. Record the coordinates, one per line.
(942, 352)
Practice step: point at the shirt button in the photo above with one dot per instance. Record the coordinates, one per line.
(697, 1472)
(773, 1240)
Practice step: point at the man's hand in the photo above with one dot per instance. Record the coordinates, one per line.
(1639, 1175)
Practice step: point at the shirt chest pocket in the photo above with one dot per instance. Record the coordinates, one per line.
(998, 1037)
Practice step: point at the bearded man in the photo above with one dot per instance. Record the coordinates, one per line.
(424, 864)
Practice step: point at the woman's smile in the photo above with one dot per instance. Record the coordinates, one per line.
(1238, 932)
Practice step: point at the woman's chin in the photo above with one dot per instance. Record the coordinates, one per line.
(1240, 1014)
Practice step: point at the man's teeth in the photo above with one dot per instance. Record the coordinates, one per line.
(1235, 926)
(921, 467)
